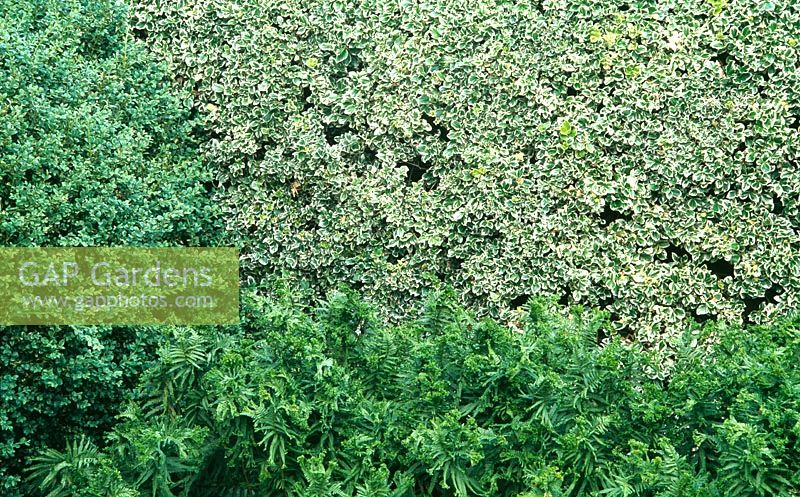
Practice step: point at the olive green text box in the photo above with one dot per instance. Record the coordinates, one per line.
(119, 285)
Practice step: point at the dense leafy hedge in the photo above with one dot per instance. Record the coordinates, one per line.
(95, 146)
(95, 150)
(637, 155)
(333, 403)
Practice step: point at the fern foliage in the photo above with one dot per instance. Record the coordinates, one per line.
(333, 403)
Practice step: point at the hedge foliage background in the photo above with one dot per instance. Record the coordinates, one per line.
(636, 155)
(96, 149)
(334, 403)
(639, 157)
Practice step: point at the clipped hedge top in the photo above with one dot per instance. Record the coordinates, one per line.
(641, 156)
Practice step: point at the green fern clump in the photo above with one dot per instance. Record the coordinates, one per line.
(334, 403)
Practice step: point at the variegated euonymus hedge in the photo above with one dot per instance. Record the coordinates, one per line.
(641, 156)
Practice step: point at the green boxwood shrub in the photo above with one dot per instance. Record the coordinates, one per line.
(96, 149)
(638, 155)
(334, 403)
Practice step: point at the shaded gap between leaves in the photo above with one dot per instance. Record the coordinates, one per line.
(777, 205)
(436, 128)
(519, 301)
(610, 215)
(720, 268)
(306, 98)
(673, 252)
(417, 170)
(332, 132)
(564, 298)
(753, 304)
